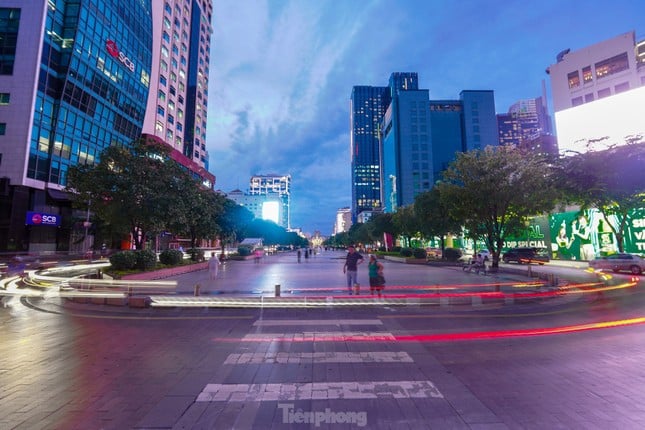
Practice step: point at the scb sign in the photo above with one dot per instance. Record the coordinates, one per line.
(38, 218)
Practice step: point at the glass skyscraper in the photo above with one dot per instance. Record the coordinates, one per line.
(77, 83)
(367, 107)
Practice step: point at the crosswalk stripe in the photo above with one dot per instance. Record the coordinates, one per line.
(317, 335)
(318, 390)
(318, 357)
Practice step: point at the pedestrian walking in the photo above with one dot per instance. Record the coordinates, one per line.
(350, 268)
(299, 254)
(213, 266)
(375, 273)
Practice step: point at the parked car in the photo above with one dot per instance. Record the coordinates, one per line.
(620, 262)
(433, 253)
(526, 255)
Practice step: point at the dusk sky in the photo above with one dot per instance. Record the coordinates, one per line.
(282, 72)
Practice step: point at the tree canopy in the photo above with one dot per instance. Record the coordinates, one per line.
(611, 181)
(142, 188)
(493, 191)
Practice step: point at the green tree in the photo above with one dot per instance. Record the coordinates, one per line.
(135, 187)
(407, 223)
(197, 214)
(232, 221)
(610, 181)
(435, 219)
(493, 191)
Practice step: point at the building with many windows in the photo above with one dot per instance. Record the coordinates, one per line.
(273, 185)
(74, 79)
(367, 107)
(343, 220)
(405, 140)
(598, 93)
(527, 125)
(178, 98)
(401, 140)
(262, 206)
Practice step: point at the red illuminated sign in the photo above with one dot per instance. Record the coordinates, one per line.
(114, 51)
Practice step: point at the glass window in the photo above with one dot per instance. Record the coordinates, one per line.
(4, 98)
(164, 51)
(588, 97)
(162, 96)
(587, 76)
(166, 37)
(3, 128)
(612, 65)
(621, 87)
(605, 92)
(576, 101)
(161, 110)
(171, 119)
(574, 79)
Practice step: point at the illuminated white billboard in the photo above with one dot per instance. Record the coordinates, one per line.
(603, 123)
(271, 211)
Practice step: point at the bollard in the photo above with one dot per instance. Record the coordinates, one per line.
(197, 288)
(277, 290)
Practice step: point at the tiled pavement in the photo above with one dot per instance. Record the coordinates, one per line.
(291, 368)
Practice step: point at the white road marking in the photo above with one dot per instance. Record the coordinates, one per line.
(318, 390)
(318, 357)
(313, 335)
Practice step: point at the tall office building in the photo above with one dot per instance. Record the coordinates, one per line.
(405, 138)
(262, 206)
(410, 139)
(273, 185)
(177, 102)
(461, 125)
(527, 125)
(74, 79)
(598, 93)
(343, 220)
(367, 106)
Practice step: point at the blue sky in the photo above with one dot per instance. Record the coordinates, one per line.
(282, 72)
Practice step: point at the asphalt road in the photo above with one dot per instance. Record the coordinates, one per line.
(568, 361)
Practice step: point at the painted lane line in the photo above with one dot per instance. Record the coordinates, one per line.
(318, 357)
(318, 390)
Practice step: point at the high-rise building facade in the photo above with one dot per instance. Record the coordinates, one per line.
(527, 125)
(262, 206)
(343, 220)
(367, 107)
(74, 79)
(178, 97)
(407, 152)
(598, 93)
(461, 125)
(417, 139)
(278, 186)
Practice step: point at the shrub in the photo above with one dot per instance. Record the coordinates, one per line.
(406, 252)
(452, 254)
(396, 249)
(146, 259)
(419, 253)
(171, 257)
(123, 260)
(196, 254)
(243, 251)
